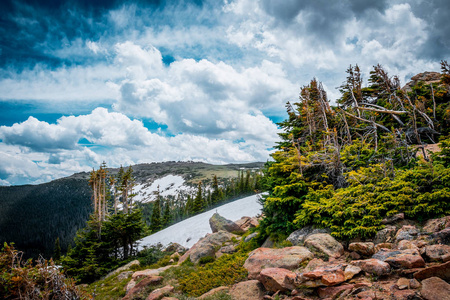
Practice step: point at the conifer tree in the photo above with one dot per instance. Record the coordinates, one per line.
(166, 215)
(57, 251)
(155, 223)
(198, 204)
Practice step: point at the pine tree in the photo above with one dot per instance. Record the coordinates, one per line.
(166, 215)
(57, 251)
(155, 223)
(198, 205)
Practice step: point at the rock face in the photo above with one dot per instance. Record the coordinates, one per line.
(288, 258)
(217, 223)
(206, 246)
(278, 279)
(245, 290)
(407, 259)
(325, 244)
(435, 289)
(298, 237)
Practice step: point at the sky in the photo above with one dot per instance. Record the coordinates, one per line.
(126, 82)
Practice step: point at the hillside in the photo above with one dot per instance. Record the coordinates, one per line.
(33, 216)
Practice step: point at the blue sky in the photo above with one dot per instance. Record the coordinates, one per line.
(128, 82)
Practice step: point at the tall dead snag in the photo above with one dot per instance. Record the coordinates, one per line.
(126, 189)
(97, 181)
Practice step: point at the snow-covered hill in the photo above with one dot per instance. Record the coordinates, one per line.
(169, 185)
(189, 231)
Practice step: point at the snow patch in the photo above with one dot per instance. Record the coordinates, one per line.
(189, 231)
(168, 185)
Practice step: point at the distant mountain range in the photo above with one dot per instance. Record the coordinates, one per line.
(33, 216)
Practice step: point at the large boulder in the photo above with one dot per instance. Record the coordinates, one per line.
(364, 249)
(426, 77)
(245, 223)
(443, 236)
(373, 266)
(298, 237)
(435, 225)
(278, 279)
(206, 246)
(217, 223)
(288, 258)
(325, 243)
(439, 253)
(150, 272)
(123, 268)
(435, 288)
(442, 271)
(160, 293)
(407, 232)
(406, 259)
(245, 290)
(220, 289)
(385, 235)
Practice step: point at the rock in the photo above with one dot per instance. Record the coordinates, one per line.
(439, 253)
(268, 243)
(150, 272)
(380, 246)
(442, 271)
(405, 295)
(436, 225)
(373, 266)
(250, 237)
(277, 279)
(298, 237)
(393, 219)
(414, 284)
(226, 250)
(407, 232)
(406, 244)
(148, 281)
(217, 223)
(214, 291)
(331, 274)
(364, 249)
(326, 244)
(407, 259)
(350, 271)
(333, 292)
(443, 236)
(175, 247)
(385, 235)
(124, 275)
(314, 264)
(206, 246)
(288, 258)
(426, 77)
(169, 298)
(403, 283)
(130, 285)
(354, 256)
(435, 288)
(245, 223)
(158, 294)
(123, 268)
(245, 290)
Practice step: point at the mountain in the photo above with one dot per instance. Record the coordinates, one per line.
(33, 216)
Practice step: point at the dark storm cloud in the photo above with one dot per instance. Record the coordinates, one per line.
(436, 14)
(323, 18)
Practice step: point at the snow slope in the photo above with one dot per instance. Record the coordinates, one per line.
(189, 231)
(168, 185)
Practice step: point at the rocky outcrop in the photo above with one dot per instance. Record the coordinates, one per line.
(288, 258)
(158, 294)
(426, 77)
(442, 271)
(218, 223)
(214, 291)
(326, 244)
(435, 288)
(150, 272)
(123, 268)
(440, 253)
(139, 287)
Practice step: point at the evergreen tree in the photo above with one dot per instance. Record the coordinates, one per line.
(198, 204)
(155, 223)
(57, 251)
(166, 215)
